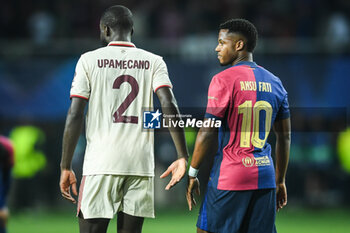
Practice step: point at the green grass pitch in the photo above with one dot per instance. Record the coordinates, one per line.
(174, 221)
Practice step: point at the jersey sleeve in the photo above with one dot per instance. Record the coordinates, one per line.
(81, 84)
(160, 76)
(283, 112)
(218, 99)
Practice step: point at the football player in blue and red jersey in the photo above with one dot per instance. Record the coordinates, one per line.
(243, 191)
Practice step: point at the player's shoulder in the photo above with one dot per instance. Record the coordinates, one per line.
(233, 71)
(275, 81)
(270, 75)
(221, 80)
(93, 53)
(138, 52)
(149, 55)
(228, 75)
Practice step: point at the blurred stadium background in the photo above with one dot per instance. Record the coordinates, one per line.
(304, 42)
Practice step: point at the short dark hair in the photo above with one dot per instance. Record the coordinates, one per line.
(118, 18)
(245, 28)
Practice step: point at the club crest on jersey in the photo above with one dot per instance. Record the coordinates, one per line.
(151, 119)
(259, 162)
(248, 161)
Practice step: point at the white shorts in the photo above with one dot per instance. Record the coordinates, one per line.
(102, 196)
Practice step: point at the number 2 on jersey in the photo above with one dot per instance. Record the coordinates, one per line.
(118, 115)
(247, 110)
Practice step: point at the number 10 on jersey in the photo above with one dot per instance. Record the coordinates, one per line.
(248, 111)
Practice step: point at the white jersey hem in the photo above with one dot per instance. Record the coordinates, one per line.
(118, 173)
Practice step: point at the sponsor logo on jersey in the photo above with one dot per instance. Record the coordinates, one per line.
(260, 161)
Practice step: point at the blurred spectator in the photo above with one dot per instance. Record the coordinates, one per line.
(305, 18)
(29, 158)
(343, 147)
(41, 27)
(320, 160)
(172, 19)
(337, 32)
(170, 22)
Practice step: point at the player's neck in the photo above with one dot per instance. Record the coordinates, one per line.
(243, 57)
(121, 37)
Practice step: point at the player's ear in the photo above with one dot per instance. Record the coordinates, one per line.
(107, 31)
(240, 45)
(132, 31)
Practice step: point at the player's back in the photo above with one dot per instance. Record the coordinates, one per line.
(254, 99)
(118, 81)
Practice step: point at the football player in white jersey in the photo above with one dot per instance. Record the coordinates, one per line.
(118, 82)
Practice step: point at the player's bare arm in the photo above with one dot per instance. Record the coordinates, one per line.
(206, 143)
(72, 131)
(178, 167)
(282, 131)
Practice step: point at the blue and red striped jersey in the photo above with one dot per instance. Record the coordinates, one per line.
(248, 99)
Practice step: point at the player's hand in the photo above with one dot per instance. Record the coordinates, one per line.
(177, 170)
(281, 196)
(67, 181)
(192, 186)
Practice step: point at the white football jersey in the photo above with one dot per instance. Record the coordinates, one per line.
(118, 81)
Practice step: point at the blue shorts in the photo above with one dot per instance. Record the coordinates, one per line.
(251, 211)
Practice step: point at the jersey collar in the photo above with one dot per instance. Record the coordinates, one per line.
(247, 63)
(122, 44)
